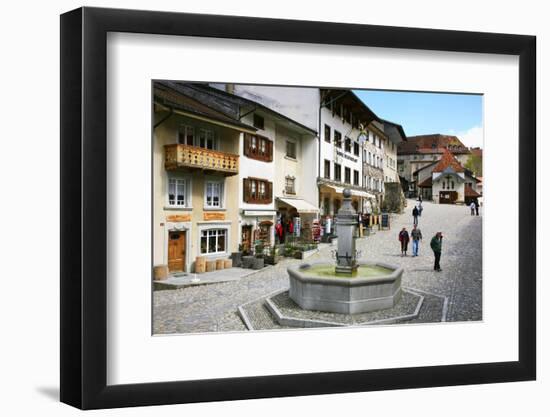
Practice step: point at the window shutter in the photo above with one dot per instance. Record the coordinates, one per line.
(269, 151)
(269, 192)
(246, 190)
(246, 143)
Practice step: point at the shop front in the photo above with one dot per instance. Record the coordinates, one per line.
(295, 219)
(257, 227)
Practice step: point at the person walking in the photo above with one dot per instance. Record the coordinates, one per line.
(420, 208)
(477, 206)
(472, 208)
(415, 215)
(416, 235)
(436, 244)
(404, 239)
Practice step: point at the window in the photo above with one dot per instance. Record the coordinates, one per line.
(347, 175)
(258, 121)
(206, 139)
(213, 194)
(257, 191)
(356, 148)
(337, 172)
(367, 134)
(213, 241)
(327, 169)
(347, 146)
(355, 177)
(327, 133)
(177, 192)
(379, 142)
(186, 135)
(370, 158)
(290, 183)
(258, 147)
(337, 139)
(291, 149)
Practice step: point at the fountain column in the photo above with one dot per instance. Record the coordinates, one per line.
(346, 221)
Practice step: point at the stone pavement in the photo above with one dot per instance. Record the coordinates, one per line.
(214, 307)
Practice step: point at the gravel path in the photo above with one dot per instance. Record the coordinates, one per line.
(214, 307)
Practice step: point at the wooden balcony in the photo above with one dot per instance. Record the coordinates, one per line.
(189, 158)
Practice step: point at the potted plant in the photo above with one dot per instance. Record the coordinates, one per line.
(272, 255)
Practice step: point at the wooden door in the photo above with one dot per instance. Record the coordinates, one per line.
(246, 238)
(176, 251)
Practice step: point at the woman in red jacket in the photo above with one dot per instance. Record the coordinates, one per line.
(404, 239)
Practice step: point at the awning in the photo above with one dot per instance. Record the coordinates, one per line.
(356, 193)
(302, 206)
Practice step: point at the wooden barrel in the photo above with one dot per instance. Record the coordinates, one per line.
(200, 264)
(210, 266)
(220, 263)
(228, 263)
(160, 272)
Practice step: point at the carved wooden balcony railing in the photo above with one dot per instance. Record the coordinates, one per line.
(185, 157)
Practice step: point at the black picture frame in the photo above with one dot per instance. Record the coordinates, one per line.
(84, 207)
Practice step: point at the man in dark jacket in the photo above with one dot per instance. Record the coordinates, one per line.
(415, 215)
(436, 244)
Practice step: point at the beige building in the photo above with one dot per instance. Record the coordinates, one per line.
(216, 189)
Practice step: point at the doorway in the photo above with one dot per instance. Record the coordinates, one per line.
(448, 197)
(246, 238)
(176, 251)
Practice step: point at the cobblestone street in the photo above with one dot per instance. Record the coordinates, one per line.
(214, 307)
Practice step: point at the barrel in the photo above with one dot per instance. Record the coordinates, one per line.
(220, 263)
(160, 272)
(227, 263)
(200, 264)
(210, 266)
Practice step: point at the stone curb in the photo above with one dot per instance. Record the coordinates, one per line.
(309, 323)
(445, 300)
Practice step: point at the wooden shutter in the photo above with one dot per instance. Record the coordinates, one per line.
(269, 192)
(246, 144)
(269, 151)
(246, 190)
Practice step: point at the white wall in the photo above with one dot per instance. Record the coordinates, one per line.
(331, 153)
(29, 309)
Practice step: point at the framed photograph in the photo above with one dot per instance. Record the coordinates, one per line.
(257, 208)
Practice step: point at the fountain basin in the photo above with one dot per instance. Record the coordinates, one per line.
(375, 286)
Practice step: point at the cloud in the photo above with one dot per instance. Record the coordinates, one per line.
(472, 137)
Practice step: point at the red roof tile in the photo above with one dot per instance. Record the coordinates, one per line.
(436, 143)
(448, 160)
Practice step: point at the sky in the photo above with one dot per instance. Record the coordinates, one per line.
(426, 113)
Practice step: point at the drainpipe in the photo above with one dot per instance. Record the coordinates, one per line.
(165, 118)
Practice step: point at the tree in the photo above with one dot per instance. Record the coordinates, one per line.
(475, 164)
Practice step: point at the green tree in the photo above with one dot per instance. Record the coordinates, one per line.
(475, 164)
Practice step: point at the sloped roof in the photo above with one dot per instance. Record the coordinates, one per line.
(430, 144)
(469, 192)
(426, 183)
(448, 162)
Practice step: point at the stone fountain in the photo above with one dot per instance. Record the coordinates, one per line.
(348, 286)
